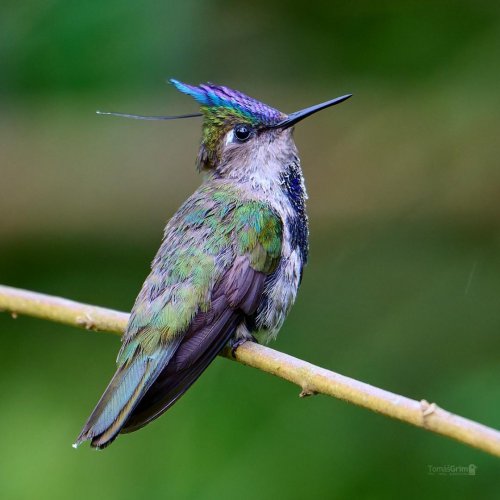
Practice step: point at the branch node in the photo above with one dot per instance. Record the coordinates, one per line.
(427, 409)
(305, 393)
(86, 322)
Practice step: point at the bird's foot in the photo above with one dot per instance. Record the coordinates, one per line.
(234, 344)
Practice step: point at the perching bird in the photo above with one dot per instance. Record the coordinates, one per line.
(228, 268)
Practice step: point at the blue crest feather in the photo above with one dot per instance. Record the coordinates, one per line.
(216, 96)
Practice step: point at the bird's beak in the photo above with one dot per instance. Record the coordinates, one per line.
(293, 118)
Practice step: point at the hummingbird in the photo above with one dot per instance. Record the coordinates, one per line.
(229, 265)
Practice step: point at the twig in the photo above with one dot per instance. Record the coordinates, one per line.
(312, 379)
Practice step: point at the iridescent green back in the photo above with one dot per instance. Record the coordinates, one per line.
(201, 241)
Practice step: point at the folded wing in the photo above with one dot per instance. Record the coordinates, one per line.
(208, 276)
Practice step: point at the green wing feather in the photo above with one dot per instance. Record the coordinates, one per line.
(200, 243)
(259, 233)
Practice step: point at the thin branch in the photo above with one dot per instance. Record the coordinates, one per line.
(312, 379)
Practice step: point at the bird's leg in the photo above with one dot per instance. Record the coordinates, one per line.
(241, 336)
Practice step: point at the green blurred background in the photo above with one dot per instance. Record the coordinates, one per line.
(402, 290)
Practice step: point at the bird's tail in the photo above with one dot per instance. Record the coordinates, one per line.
(128, 385)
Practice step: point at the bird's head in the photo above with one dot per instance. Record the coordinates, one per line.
(235, 124)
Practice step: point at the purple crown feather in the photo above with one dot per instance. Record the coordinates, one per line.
(215, 96)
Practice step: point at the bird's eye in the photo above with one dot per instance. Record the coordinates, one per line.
(242, 132)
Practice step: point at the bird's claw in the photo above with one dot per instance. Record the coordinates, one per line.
(236, 343)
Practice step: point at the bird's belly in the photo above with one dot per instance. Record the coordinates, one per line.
(279, 296)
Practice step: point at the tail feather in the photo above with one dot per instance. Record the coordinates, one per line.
(127, 387)
(190, 360)
(108, 436)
